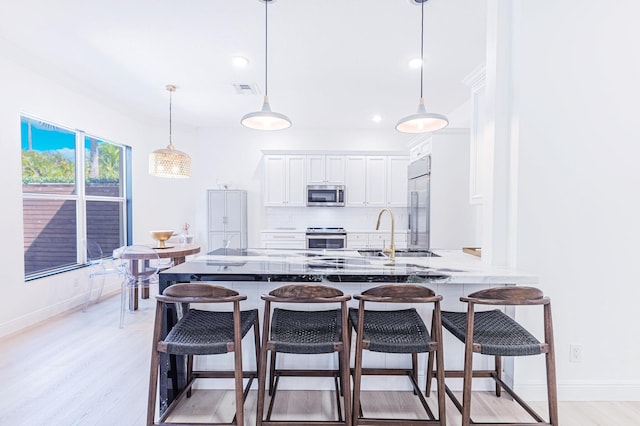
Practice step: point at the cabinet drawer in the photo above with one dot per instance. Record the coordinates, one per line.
(357, 237)
(282, 236)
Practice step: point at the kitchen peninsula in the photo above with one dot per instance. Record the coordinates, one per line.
(253, 272)
(341, 266)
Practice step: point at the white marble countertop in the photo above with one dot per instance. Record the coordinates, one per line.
(346, 265)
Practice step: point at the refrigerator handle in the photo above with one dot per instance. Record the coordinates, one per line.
(413, 217)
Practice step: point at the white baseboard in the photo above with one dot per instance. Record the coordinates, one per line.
(583, 390)
(568, 391)
(33, 318)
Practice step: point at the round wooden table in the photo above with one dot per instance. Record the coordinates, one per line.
(177, 253)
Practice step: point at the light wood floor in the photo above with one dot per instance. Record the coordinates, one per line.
(81, 369)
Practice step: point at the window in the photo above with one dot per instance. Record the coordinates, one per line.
(75, 188)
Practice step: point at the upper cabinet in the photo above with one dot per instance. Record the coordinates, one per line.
(325, 169)
(370, 180)
(355, 181)
(376, 189)
(376, 181)
(397, 179)
(285, 180)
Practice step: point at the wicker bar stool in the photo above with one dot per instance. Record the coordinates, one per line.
(201, 332)
(494, 333)
(402, 332)
(308, 332)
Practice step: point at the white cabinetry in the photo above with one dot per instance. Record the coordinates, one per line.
(376, 188)
(370, 180)
(376, 181)
(283, 240)
(325, 169)
(284, 180)
(227, 219)
(397, 181)
(356, 180)
(375, 240)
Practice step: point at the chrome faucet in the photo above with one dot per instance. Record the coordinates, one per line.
(391, 250)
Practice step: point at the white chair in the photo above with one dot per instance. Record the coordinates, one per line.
(100, 266)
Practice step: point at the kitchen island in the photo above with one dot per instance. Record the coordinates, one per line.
(253, 272)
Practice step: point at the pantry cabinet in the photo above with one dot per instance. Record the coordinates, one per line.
(226, 219)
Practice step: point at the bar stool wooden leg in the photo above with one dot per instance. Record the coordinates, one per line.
(468, 369)
(498, 369)
(430, 356)
(155, 362)
(357, 375)
(550, 357)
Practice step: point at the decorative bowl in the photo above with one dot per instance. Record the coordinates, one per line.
(161, 237)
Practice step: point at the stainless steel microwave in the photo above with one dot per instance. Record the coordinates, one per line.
(325, 195)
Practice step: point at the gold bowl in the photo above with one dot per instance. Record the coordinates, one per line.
(161, 237)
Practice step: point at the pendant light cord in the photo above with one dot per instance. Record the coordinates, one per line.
(266, 47)
(421, 45)
(170, 93)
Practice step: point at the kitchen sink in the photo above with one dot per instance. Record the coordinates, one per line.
(399, 253)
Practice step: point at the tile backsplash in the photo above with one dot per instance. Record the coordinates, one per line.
(350, 218)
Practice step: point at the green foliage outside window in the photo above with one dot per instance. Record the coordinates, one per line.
(53, 167)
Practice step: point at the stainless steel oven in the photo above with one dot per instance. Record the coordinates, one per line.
(326, 238)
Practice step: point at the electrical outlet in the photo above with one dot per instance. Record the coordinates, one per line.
(575, 353)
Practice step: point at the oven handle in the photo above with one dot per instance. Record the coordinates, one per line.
(326, 237)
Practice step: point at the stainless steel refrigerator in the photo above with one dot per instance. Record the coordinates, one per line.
(419, 203)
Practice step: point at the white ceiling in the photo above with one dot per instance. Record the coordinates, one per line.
(332, 63)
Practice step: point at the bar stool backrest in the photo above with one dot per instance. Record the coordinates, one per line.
(508, 296)
(399, 294)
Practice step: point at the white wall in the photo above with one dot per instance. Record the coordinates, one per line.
(25, 91)
(233, 156)
(578, 85)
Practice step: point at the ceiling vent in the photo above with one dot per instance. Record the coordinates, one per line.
(247, 89)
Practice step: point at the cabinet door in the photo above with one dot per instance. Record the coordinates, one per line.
(397, 181)
(216, 213)
(355, 175)
(296, 183)
(315, 169)
(334, 169)
(275, 167)
(234, 211)
(376, 186)
(357, 240)
(325, 169)
(380, 240)
(291, 240)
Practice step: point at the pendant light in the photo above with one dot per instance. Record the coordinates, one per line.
(170, 162)
(422, 121)
(265, 119)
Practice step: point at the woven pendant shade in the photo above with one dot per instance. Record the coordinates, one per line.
(169, 162)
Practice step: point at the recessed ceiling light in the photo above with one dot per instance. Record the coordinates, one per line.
(240, 61)
(376, 118)
(415, 63)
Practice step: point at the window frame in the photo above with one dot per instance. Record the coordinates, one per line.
(81, 198)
